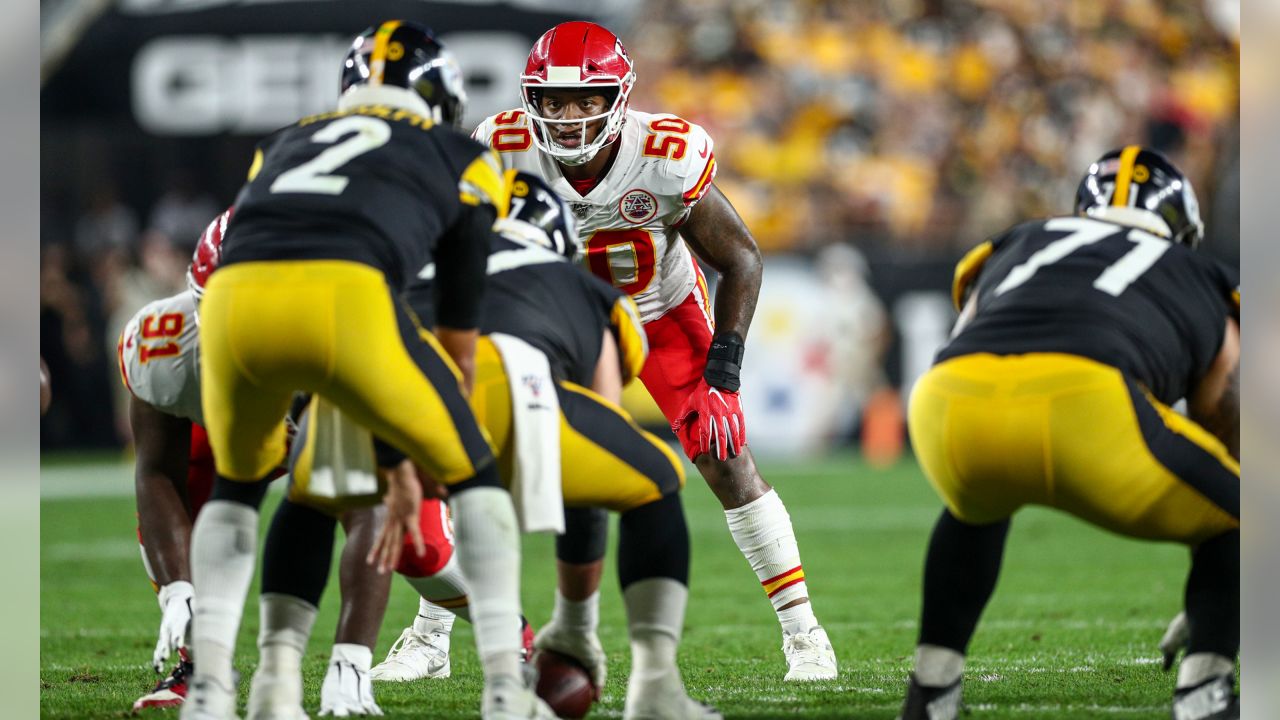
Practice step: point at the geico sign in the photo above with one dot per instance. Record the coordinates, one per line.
(207, 84)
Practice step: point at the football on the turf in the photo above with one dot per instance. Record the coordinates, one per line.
(564, 684)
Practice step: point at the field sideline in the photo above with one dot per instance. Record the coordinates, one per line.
(1072, 631)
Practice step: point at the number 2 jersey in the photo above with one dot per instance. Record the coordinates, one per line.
(1108, 292)
(378, 184)
(629, 222)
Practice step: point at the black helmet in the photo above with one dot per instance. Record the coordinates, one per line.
(1139, 186)
(541, 215)
(408, 55)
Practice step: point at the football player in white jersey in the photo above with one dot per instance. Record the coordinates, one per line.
(642, 188)
(159, 362)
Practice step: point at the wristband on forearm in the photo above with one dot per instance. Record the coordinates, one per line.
(724, 361)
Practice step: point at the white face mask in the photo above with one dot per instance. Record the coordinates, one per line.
(613, 120)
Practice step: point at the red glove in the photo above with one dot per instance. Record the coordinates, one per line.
(711, 421)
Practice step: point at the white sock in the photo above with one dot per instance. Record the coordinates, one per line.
(487, 545)
(359, 656)
(1198, 667)
(577, 615)
(937, 666)
(446, 590)
(224, 545)
(762, 531)
(797, 619)
(655, 620)
(285, 628)
(432, 618)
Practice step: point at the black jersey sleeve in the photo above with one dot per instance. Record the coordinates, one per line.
(463, 252)
(460, 268)
(970, 267)
(623, 319)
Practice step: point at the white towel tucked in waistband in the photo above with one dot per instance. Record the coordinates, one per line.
(333, 456)
(535, 424)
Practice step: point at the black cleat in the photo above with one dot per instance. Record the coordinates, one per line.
(1213, 699)
(931, 703)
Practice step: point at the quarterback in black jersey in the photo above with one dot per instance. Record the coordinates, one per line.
(1076, 335)
(590, 337)
(341, 211)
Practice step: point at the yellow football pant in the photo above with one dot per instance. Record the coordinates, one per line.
(606, 460)
(994, 433)
(331, 327)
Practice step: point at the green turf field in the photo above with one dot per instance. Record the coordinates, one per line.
(1071, 633)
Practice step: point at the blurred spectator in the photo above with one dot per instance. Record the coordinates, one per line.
(183, 211)
(924, 126)
(106, 225)
(908, 129)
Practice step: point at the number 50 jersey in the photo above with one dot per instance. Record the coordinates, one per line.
(629, 221)
(1115, 294)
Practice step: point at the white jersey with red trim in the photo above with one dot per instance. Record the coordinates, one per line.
(629, 221)
(159, 352)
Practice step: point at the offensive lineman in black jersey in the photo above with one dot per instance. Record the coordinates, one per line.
(591, 337)
(1076, 334)
(339, 214)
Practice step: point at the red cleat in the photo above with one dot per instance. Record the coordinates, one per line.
(172, 690)
(526, 639)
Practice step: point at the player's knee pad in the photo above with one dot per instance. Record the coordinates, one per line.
(653, 541)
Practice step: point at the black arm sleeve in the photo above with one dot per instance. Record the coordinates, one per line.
(461, 260)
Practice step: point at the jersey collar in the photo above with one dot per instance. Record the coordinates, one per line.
(396, 97)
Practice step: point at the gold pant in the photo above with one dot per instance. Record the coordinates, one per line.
(606, 459)
(331, 327)
(994, 433)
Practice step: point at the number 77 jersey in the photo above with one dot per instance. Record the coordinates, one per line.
(629, 222)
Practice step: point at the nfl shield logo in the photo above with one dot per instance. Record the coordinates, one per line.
(581, 209)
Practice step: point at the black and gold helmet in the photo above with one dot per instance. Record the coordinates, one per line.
(405, 54)
(540, 216)
(1138, 186)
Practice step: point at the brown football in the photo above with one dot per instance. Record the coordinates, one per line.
(564, 684)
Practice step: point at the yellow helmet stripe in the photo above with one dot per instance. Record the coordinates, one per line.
(378, 60)
(1124, 176)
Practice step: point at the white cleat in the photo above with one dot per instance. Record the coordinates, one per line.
(666, 699)
(507, 698)
(275, 696)
(585, 647)
(415, 656)
(809, 656)
(347, 691)
(208, 700)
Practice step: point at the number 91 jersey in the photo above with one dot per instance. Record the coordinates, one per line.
(629, 221)
(159, 356)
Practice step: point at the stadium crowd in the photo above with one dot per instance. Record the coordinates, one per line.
(910, 129)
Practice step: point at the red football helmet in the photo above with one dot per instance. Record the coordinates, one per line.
(208, 254)
(577, 55)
